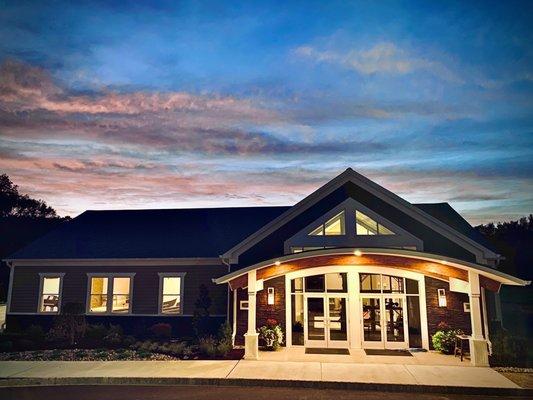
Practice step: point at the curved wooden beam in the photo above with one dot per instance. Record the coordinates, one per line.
(433, 269)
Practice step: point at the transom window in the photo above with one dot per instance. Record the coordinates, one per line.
(110, 293)
(364, 225)
(170, 293)
(378, 283)
(332, 227)
(50, 296)
(331, 283)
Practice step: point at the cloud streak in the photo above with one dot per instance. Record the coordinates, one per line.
(382, 58)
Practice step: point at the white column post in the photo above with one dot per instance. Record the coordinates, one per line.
(251, 337)
(479, 355)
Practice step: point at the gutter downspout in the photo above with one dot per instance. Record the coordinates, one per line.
(228, 302)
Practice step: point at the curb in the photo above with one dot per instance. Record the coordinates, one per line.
(357, 386)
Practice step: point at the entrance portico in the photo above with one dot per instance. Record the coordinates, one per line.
(365, 298)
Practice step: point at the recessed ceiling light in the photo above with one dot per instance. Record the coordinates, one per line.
(277, 262)
(358, 253)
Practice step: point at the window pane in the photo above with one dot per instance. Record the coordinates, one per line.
(335, 226)
(411, 286)
(50, 303)
(99, 285)
(171, 304)
(336, 282)
(171, 285)
(370, 283)
(384, 231)
(317, 231)
(314, 283)
(365, 225)
(121, 294)
(297, 285)
(121, 303)
(51, 285)
(121, 285)
(98, 303)
(297, 319)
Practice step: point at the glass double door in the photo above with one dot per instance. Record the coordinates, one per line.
(326, 323)
(384, 322)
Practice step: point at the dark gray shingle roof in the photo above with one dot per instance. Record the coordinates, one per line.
(176, 233)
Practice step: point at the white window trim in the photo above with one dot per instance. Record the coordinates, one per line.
(110, 276)
(43, 275)
(162, 275)
(244, 305)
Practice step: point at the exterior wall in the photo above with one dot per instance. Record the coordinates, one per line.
(145, 292)
(453, 314)
(264, 311)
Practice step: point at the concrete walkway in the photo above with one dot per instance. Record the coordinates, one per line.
(403, 374)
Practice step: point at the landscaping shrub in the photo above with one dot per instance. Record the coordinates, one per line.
(207, 346)
(509, 350)
(128, 340)
(35, 334)
(176, 349)
(201, 321)
(225, 339)
(70, 325)
(6, 345)
(271, 334)
(95, 334)
(161, 331)
(114, 336)
(444, 339)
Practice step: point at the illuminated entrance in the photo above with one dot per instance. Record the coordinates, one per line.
(355, 309)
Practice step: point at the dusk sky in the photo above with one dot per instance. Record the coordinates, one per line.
(105, 105)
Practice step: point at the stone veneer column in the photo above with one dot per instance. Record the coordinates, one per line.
(251, 337)
(479, 355)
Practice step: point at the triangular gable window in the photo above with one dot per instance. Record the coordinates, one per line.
(332, 227)
(364, 225)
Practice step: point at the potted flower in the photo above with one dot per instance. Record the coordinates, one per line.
(271, 334)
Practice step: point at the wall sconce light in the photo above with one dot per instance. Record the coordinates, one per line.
(442, 297)
(270, 299)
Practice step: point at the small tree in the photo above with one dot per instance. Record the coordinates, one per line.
(200, 319)
(70, 325)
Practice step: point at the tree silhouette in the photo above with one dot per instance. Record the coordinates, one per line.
(14, 204)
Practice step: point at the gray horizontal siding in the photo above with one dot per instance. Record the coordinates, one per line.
(25, 290)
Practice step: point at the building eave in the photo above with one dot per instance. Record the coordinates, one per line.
(483, 270)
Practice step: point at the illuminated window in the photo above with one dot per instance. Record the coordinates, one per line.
(110, 294)
(50, 296)
(171, 292)
(367, 226)
(332, 227)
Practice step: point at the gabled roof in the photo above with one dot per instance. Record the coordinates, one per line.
(445, 213)
(208, 232)
(482, 252)
(170, 233)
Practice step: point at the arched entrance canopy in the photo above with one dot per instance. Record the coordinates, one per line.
(436, 266)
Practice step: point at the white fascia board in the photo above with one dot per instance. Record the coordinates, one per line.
(491, 273)
(114, 262)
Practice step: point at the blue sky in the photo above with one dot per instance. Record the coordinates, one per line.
(185, 104)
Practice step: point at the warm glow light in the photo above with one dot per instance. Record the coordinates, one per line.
(277, 263)
(442, 297)
(358, 253)
(270, 299)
